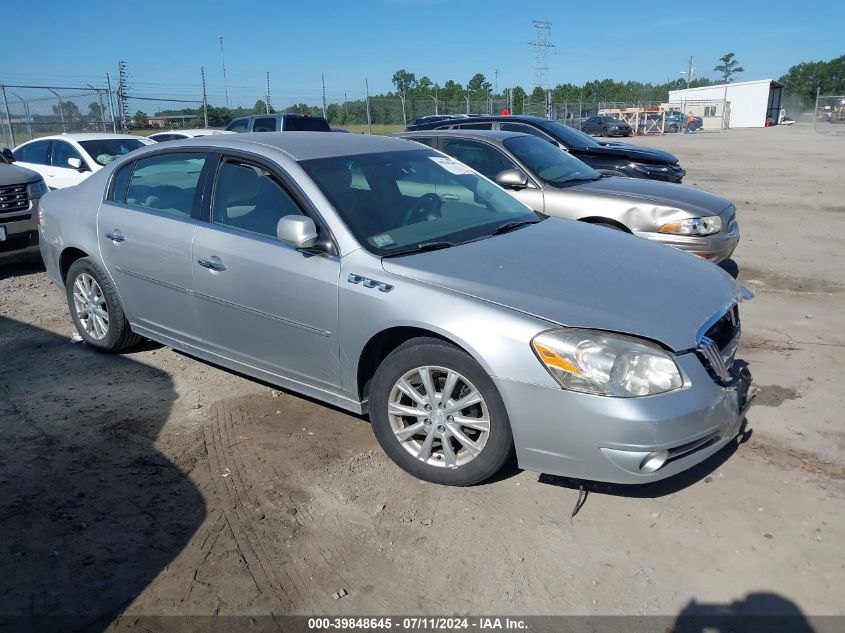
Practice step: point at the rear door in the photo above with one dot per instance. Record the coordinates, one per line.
(145, 229)
(260, 301)
(36, 156)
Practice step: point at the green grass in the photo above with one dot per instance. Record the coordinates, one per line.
(378, 128)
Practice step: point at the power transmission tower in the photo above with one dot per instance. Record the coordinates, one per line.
(204, 98)
(267, 103)
(225, 81)
(542, 48)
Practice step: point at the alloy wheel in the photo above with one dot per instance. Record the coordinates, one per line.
(439, 416)
(90, 305)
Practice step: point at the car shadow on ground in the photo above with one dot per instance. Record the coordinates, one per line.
(761, 611)
(90, 510)
(10, 267)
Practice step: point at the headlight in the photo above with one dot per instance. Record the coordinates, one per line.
(37, 189)
(606, 364)
(693, 226)
(650, 169)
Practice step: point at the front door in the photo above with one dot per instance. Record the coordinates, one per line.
(260, 301)
(61, 173)
(145, 232)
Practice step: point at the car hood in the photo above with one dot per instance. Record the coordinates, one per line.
(653, 192)
(574, 274)
(633, 152)
(14, 175)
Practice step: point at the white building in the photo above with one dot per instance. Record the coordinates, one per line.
(742, 104)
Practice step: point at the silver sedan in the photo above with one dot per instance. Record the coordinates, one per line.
(554, 182)
(387, 278)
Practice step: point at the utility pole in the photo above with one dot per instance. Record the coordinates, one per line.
(267, 103)
(204, 98)
(121, 95)
(816, 107)
(496, 82)
(111, 104)
(323, 80)
(369, 123)
(225, 80)
(542, 48)
(466, 96)
(61, 111)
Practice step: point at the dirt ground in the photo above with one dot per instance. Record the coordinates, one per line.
(153, 483)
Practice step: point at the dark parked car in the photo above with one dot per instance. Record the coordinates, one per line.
(614, 159)
(605, 126)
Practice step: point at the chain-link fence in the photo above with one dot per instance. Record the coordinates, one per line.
(27, 112)
(829, 114)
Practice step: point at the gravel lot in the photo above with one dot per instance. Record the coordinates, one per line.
(157, 484)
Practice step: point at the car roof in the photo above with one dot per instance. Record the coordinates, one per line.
(86, 136)
(194, 131)
(480, 134)
(304, 145)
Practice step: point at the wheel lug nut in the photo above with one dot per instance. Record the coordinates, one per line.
(426, 421)
(428, 407)
(450, 418)
(441, 428)
(441, 406)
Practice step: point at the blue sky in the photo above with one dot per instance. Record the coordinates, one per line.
(165, 43)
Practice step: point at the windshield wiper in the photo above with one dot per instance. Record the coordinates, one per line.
(420, 248)
(510, 226)
(572, 181)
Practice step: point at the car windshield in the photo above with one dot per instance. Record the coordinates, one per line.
(399, 201)
(548, 162)
(104, 151)
(567, 135)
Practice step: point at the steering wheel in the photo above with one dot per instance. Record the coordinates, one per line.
(428, 205)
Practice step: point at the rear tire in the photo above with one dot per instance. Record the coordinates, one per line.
(95, 308)
(418, 420)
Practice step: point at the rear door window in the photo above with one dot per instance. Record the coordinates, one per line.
(166, 183)
(306, 124)
(35, 153)
(265, 124)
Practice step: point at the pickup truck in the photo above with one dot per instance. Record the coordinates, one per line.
(279, 123)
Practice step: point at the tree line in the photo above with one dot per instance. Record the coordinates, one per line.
(414, 96)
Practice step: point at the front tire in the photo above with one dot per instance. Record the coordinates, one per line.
(438, 414)
(95, 308)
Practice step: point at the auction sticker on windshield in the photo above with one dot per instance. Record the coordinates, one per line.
(382, 240)
(451, 165)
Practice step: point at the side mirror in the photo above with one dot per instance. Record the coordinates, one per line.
(297, 230)
(76, 163)
(7, 154)
(512, 179)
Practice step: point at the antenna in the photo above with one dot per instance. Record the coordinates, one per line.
(542, 48)
(225, 83)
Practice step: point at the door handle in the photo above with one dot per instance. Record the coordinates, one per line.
(450, 196)
(207, 263)
(115, 236)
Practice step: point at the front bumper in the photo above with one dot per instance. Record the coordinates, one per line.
(598, 438)
(672, 173)
(21, 232)
(714, 248)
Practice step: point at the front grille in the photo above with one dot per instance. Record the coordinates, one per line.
(717, 346)
(13, 198)
(15, 218)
